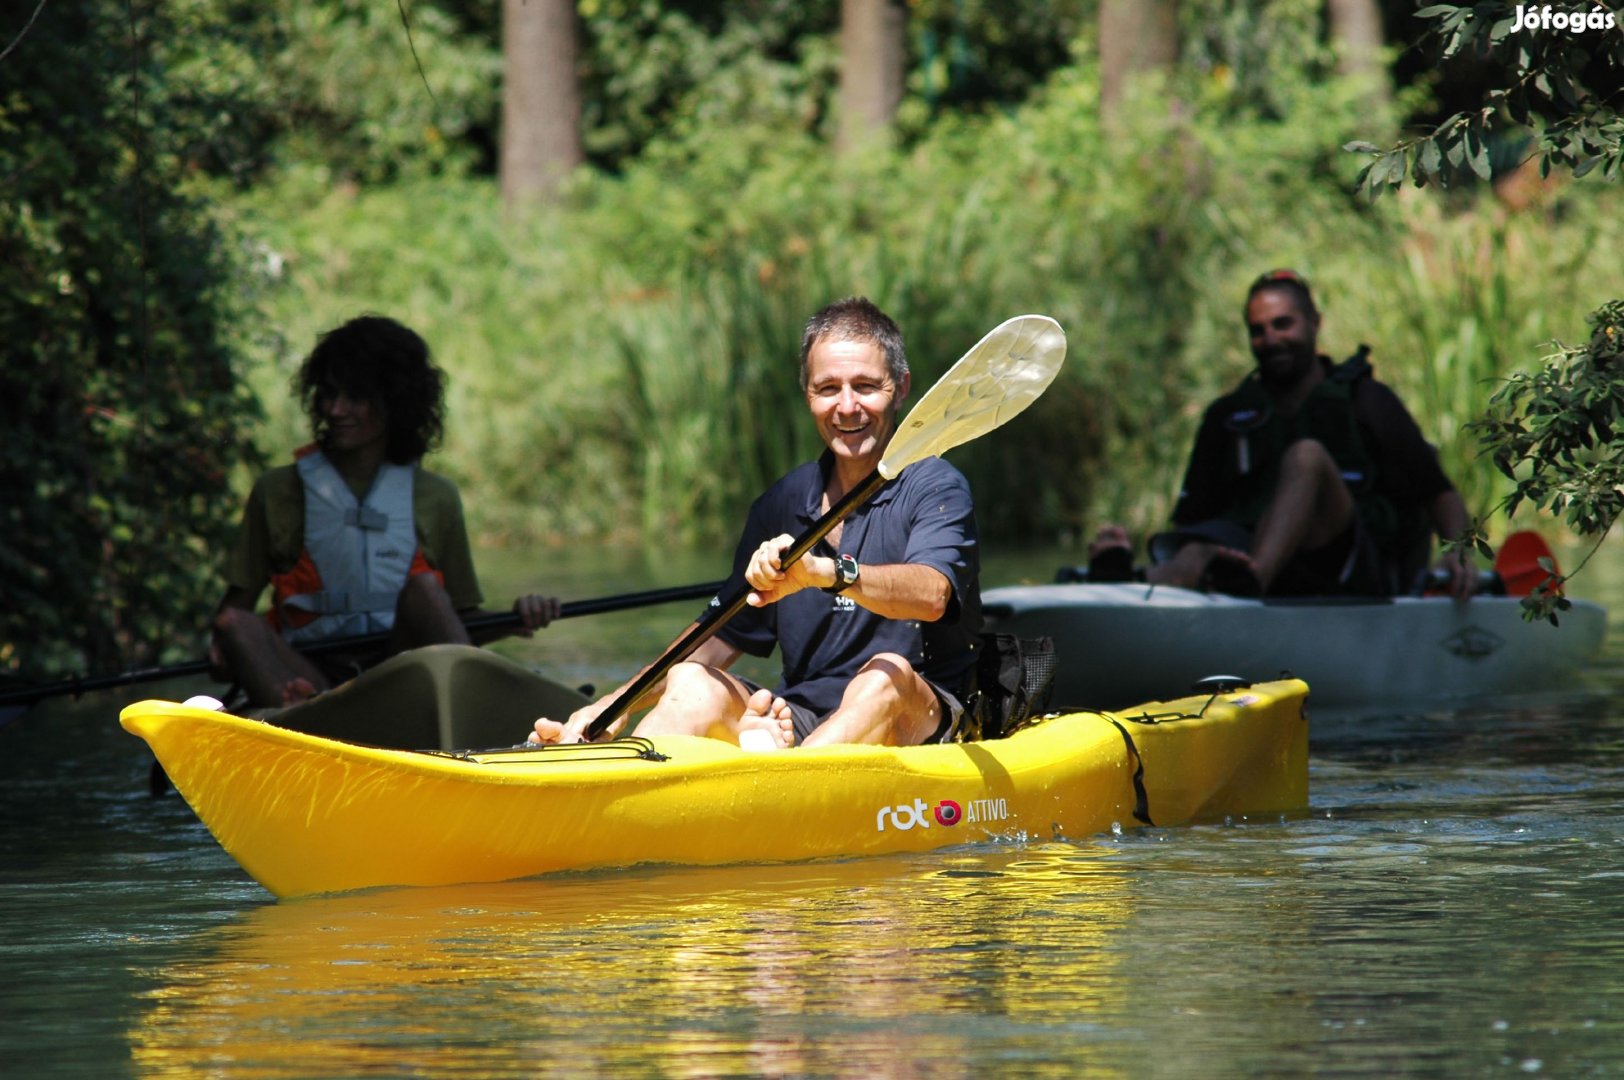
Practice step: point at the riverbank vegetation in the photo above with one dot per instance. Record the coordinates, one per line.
(622, 363)
(621, 357)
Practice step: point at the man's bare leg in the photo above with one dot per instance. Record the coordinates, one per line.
(698, 700)
(887, 703)
(1311, 508)
(1184, 570)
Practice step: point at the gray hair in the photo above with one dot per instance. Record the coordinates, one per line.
(856, 318)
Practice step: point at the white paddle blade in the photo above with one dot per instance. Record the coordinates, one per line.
(989, 386)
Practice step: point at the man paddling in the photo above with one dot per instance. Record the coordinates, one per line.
(354, 537)
(1310, 478)
(877, 624)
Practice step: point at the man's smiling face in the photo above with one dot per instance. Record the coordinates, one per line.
(853, 399)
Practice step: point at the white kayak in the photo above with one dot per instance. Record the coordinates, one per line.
(1120, 643)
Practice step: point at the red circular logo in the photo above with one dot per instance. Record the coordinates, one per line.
(948, 812)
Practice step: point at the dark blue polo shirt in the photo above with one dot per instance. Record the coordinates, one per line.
(924, 517)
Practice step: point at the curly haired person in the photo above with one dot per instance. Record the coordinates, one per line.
(354, 537)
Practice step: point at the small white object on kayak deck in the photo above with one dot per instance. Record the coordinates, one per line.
(757, 740)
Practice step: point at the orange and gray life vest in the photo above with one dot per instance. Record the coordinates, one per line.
(357, 554)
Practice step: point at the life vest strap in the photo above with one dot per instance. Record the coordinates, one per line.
(365, 517)
(331, 602)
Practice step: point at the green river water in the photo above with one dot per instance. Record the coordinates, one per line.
(1448, 906)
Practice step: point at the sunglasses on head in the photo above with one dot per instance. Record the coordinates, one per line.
(1277, 277)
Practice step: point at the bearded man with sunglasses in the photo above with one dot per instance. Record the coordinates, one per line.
(1310, 478)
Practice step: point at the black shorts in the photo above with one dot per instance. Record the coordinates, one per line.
(1349, 565)
(806, 721)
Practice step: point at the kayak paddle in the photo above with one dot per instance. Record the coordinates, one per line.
(1525, 562)
(990, 385)
(497, 621)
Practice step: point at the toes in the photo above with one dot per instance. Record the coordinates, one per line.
(766, 723)
(297, 690)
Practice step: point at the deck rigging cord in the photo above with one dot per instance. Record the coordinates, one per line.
(626, 748)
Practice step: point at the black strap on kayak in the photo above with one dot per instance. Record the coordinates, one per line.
(1141, 806)
(1141, 810)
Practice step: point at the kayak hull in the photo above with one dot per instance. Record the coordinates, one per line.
(1121, 643)
(305, 815)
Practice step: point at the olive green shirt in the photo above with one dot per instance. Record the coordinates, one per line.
(272, 534)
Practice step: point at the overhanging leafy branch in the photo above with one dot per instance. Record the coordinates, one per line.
(1561, 82)
(1558, 434)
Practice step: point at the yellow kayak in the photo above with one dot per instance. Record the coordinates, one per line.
(305, 814)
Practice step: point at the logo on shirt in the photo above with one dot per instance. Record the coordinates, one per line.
(845, 603)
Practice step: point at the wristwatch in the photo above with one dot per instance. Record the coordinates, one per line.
(846, 572)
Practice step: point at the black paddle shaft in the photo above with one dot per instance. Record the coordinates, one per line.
(500, 620)
(724, 609)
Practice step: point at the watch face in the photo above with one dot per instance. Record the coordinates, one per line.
(845, 573)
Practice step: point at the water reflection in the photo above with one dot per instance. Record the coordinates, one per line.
(884, 967)
(1448, 908)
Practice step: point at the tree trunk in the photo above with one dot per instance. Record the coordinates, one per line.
(541, 107)
(1356, 31)
(1136, 36)
(871, 68)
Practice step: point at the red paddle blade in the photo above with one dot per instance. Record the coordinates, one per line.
(1518, 563)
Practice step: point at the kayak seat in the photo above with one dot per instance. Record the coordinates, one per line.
(440, 697)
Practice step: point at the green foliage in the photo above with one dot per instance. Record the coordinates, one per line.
(1237, 50)
(711, 395)
(624, 365)
(334, 83)
(1561, 83)
(656, 71)
(662, 75)
(966, 55)
(123, 413)
(1462, 315)
(1558, 434)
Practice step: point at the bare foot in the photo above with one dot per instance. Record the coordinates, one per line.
(1109, 536)
(551, 733)
(769, 714)
(1232, 572)
(1110, 555)
(297, 690)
